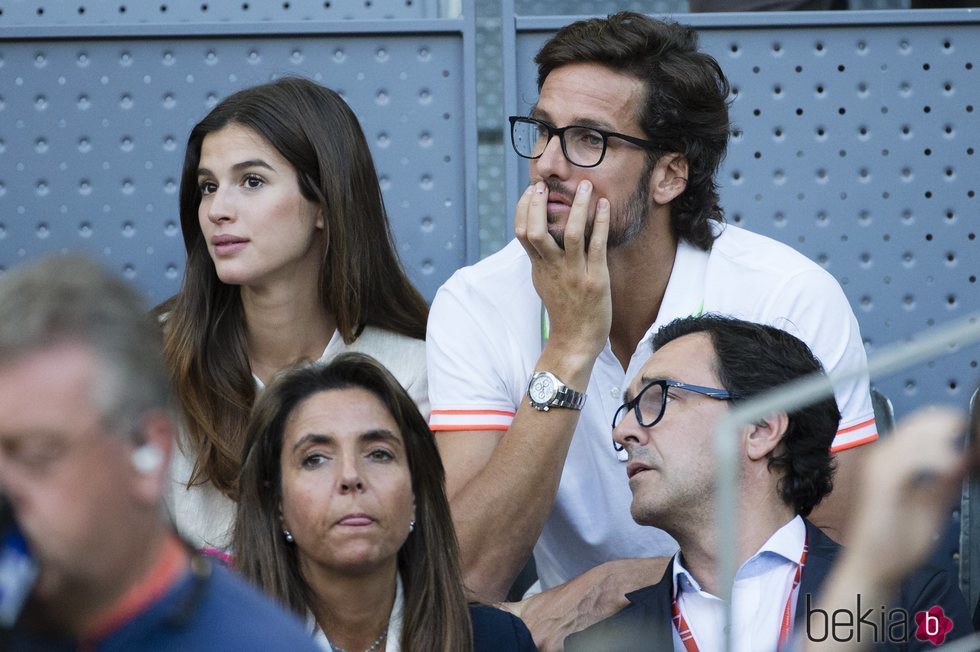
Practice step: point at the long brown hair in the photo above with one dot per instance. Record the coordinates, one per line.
(436, 615)
(360, 283)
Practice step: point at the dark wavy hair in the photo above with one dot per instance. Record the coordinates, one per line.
(361, 281)
(753, 358)
(686, 107)
(436, 615)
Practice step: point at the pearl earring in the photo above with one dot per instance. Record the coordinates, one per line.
(288, 535)
(411, 526)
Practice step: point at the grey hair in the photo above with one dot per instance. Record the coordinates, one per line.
(73, 300)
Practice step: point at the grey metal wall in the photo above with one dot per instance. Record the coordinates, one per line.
(97, 99)
(855, 143)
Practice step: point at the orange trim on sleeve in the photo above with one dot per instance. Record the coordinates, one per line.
(446, 428)
(857, 426)
(503, 413)
(855, 444)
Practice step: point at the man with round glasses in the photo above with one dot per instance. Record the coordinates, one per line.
(666, 426)
(618, 233)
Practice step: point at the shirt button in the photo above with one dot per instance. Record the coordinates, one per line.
(615, 392)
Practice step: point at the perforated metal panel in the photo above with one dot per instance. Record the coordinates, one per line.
(596, 7)
(91, 12)
(92, 132)
(855, 143)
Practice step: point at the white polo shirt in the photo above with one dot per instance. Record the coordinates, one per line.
(484, 338)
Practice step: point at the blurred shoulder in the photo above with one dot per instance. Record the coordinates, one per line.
(242, 618)
(495, 629)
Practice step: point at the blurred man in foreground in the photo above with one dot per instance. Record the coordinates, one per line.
(86, 434)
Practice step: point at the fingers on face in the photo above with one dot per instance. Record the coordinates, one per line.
(520, 213)
(536, 231)
(578, 216)
(600, 233)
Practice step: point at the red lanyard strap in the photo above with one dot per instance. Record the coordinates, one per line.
(785, 628)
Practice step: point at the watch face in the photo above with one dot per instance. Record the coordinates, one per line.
(543, 389)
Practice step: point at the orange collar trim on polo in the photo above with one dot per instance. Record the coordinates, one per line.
(166, 571)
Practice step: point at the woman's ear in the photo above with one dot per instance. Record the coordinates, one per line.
(762, 437)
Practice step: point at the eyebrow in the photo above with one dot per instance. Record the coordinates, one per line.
(646, 380)
(376, 435)
(238, 167)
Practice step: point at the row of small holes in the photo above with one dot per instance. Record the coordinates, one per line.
(864, 174)
(952, 385)
(843, 111)
(168, 101)
(427, 266)
(168, 58)
(819, 47)
(864, 219)
(128, 229)
(127, 186)
(204, 7)
(905, 88)
(801, 196)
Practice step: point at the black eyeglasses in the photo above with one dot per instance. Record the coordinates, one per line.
(651, 403)
(582, 146)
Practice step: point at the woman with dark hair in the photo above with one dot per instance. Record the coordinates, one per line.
(289, 259)
(343, 516)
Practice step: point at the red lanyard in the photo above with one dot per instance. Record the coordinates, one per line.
(785, 628)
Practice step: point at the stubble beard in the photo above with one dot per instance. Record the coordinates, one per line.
(627, 220)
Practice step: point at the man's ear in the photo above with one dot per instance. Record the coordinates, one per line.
(762, 437)
(156, 437)
(669, 178)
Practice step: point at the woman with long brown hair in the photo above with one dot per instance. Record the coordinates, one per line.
(343, 516)
(289, 259)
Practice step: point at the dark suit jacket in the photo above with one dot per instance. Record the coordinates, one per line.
(496, 630)
(645, 624)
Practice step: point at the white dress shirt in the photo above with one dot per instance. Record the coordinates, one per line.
(763, 584)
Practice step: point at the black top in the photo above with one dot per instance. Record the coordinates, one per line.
(497, 630)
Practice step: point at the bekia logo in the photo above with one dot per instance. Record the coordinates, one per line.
(932, 625)
(876, 625)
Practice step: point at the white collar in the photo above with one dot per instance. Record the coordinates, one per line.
(785, 544)
(394, 636)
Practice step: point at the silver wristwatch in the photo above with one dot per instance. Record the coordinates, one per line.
(545, 391)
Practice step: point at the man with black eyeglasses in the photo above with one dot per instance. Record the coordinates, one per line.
(618, 233)
(666, 425)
